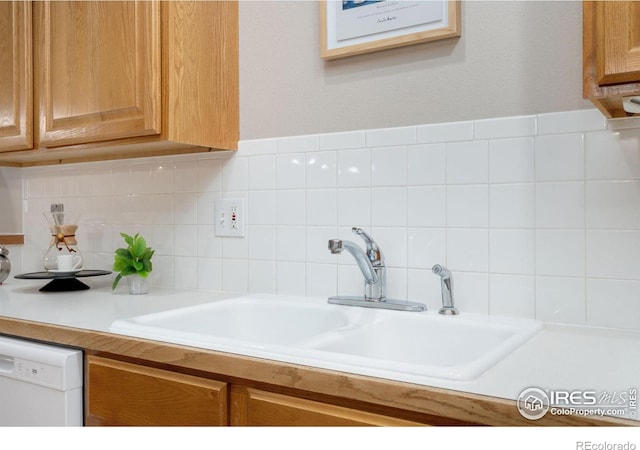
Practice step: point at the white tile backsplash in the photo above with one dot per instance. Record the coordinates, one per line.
(426, 247)
(290, 207)
(511, 160)
(613, 204)
(427, 206)
(445, 132)
(389, 166)
(505, 127)
(559, 157)
(560, 205)
(389, 207)
(561, 299)
(391, 136)
(512, 251)
(354, 168)
(536, 216)
(262, 172)
(295, 144)
(426, 164)
(468, 162)
(613, 303)
(571, 122)
(468, 206)
(262, 207)
(354, 207)
(612, 155)
(468, 249)
(613, 254)
(322, 207)
(340, 141)
(560, 252)
(290, 171)
(321, 169)
(512, 295)
(512, 205)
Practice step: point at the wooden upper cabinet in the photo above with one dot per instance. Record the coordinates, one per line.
(16, 75)
(611, 54)
(618, 42)
(97, 71)
(117, 79)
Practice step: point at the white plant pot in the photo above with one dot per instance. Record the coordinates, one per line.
(137, 284)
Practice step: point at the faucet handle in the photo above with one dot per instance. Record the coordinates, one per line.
(373, 250)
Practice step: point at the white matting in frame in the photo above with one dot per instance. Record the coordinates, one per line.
(353, 27)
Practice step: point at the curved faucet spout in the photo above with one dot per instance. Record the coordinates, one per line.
(337, 246)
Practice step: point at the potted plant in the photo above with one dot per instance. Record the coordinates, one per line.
(133, 262)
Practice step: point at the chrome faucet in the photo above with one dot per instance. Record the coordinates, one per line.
(446, 286)
(371, 264)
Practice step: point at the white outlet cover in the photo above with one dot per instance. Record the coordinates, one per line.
(229, 217)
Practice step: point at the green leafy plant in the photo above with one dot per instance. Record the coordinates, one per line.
(135, 259)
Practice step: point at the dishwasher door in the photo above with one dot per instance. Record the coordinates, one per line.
(40, 384)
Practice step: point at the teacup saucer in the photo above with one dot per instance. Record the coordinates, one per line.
(64, 272)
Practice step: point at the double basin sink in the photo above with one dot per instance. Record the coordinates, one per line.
(404, 346)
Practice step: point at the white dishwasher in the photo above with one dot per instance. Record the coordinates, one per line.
(40, 384)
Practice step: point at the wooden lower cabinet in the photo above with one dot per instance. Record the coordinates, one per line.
(120, 393)
(254, 407)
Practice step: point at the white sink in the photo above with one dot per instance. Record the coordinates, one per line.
(256, 320)
(452, 347)
(405, 346)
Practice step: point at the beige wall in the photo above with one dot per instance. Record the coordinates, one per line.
(514, 58)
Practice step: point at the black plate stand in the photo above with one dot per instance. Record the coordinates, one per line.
(63, 282)
(64, 285)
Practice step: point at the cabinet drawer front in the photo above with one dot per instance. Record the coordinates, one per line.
(253, 407)
(97, 71)
(120, 393)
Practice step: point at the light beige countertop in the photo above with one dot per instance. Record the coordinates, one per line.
(558, 358)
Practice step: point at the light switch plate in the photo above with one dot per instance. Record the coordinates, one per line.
(229, 217)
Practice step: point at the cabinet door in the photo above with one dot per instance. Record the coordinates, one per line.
(97, 71)
(120, 393)
(253, 407)
(618, 41)
(16, 75)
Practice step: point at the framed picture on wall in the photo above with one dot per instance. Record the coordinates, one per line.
(353, 27)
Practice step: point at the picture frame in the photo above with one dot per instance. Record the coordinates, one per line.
(354, 27)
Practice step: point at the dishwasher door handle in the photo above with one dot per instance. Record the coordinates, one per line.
(6, 363)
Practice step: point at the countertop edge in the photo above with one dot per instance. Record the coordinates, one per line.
(458, 405)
